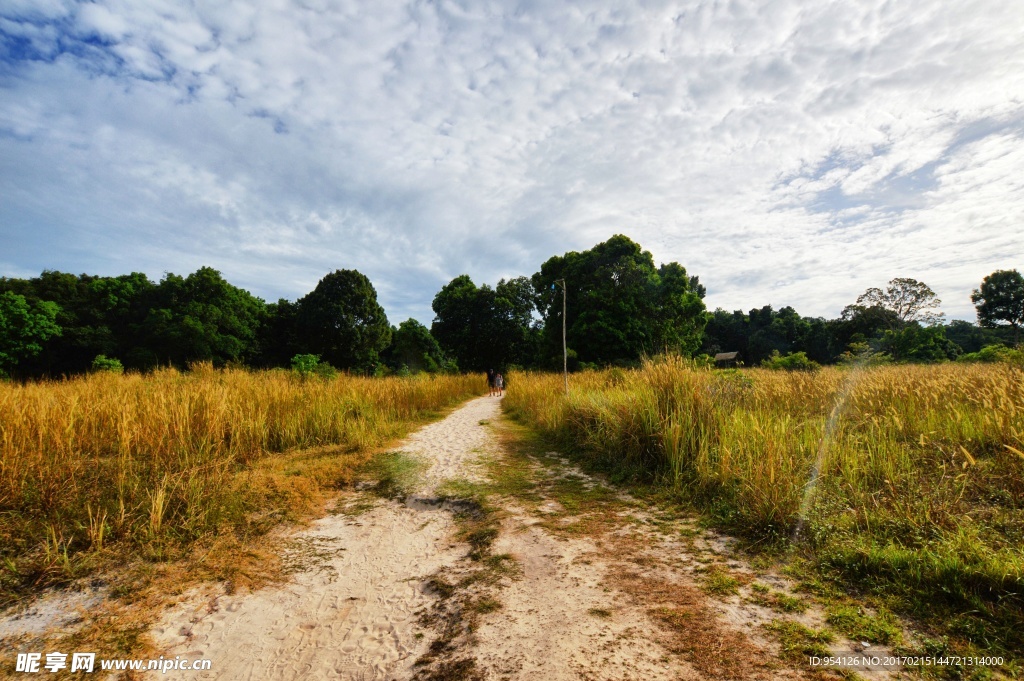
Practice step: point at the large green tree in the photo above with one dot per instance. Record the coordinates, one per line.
(279, 334)
(916, 343)
(860, 324)
(24, 327)
(682, 313)
(98, 316)
(514, 330)
(413, 347)
(972, 337)
(619, 305)
(1000, 301)
(201, 317)
(341, 321)
(485, 328)
(459, 322)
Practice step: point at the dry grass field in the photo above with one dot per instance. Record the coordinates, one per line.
(115, 467)
(906, 482)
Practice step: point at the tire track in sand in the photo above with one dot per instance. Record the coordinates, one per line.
(352, 613)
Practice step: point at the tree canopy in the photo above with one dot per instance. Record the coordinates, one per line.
(764, 332)
(23, 328)
(202, 317)
(908, 299)
(341, 321)
(484, 328)
(1000, 301)
(413, 347)
(619, 306)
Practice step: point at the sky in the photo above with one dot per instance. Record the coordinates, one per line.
(786, 152)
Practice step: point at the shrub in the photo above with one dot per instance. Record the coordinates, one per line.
(310, 365)
(861, 354)
(305, 365)
(994, 353)
(796, 361)
(104, 363)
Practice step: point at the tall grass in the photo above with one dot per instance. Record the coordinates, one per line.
(905, 476)
(159, 460)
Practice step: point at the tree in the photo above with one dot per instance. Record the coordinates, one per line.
(413, 347)
(908, 299)
(278, 335)
(972, 338)
(916, 343)
(680, 326)
(726, 332)
(757, 336)
(772, 333)
(98, 316)
(342, 322)
(459, 323)
(24, 328)
(620, 306)
(859, 324)
(485, 328)
(514, 333)
(202, 317)
(1000, 301)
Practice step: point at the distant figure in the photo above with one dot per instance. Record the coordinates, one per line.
(499, 383)
(491, 378)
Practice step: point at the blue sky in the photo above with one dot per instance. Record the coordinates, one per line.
(791, 153)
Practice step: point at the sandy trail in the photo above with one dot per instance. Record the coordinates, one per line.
(560, 620)
(351, 612)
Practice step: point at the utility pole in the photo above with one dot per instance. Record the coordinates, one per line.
(565, 351)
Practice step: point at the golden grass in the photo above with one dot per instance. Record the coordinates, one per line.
(909, 479)
(759, 433)
(157, 461)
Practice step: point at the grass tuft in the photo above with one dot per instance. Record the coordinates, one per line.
(799, 642)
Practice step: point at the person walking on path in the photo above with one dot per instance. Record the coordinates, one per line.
(491, 377)
(499, 383)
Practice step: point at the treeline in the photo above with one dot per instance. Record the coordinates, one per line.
(900, 323)
(619, 307)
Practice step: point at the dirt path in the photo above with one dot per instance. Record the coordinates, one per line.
(498, 563)
(350, 611)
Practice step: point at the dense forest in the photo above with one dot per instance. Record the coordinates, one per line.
(619, 308)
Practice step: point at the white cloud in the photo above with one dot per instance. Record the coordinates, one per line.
(787, 152)
(98, 20)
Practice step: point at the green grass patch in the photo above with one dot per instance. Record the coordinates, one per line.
(397, 474)
(579, 495)
(798, 641)
(763, 595)
(856, 623)
(720, 583)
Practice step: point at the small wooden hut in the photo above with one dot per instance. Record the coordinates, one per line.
(728, 359)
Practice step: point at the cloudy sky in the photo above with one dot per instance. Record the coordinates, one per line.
(786, 152)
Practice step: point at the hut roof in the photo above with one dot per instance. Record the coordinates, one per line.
(726, 356)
